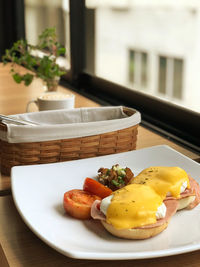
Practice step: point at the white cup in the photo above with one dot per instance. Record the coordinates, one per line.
(53, 100)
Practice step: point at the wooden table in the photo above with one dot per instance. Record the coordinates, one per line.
(18, 245)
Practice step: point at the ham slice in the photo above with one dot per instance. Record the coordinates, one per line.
(171, 205)
(95, 211)
(194, 190)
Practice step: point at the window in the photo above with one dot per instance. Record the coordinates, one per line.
(162, 75)
(163, 83)
(42, 14)
(170, 78)
(143, 62)
(167, 29)
(178, 79)
(131, 66)
(138, 69)
(165, 51)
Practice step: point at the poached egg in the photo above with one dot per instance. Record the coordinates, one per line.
(166, 181)
(134, 205)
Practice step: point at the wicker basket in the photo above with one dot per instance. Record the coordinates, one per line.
(15, 154)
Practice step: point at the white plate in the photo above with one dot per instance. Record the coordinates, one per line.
(38, 193)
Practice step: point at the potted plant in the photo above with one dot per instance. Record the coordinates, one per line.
(44, 67)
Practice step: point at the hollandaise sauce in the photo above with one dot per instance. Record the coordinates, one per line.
(164, 180)
(133, 206)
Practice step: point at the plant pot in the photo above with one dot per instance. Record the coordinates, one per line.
(52, 85)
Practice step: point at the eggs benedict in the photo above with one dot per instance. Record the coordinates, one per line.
(171, 183)
(135, 211)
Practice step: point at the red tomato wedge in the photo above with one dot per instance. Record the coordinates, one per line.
(96, 188)
(77, 203)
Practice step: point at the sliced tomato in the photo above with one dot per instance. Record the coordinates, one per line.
(96, 188)
(77, 203)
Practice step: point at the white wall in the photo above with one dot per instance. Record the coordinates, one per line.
(161, 30)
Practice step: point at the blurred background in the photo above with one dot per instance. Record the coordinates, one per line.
(147, 45)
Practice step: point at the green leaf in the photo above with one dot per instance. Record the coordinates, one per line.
(28, 78)
(17, 77)
(114, 182)
(45, 67)
(61, 51)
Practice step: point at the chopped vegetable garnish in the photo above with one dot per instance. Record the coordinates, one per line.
(116, 177)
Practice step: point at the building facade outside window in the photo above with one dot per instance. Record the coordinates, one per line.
(168, 34)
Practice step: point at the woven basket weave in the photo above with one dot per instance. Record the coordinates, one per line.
(15, 154)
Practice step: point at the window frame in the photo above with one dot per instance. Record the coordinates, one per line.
(12, 23)
(138, 70)
(170, 77)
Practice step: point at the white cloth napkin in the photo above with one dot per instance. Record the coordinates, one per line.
(65, 124)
